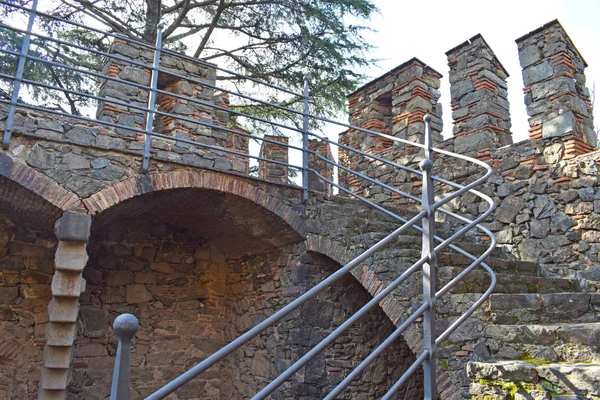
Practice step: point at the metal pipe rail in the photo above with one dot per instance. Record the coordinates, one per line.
(301, 121)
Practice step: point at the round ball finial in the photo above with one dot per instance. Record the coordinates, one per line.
(427, 118)
(126, 326)
(426, 165)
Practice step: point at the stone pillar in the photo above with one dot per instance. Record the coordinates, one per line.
(479, 99)
(558, 103)
(179, 128)
(415, 94)
(73, 232)
(121, 91)
(395, 104)
(321, 166)
(276, 152)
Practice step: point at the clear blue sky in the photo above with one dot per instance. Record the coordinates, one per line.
(408, 29)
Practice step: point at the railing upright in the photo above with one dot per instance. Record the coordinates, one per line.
(430, 267)
(305, 142)
(10, 119)
(125, 326)
(152, 98)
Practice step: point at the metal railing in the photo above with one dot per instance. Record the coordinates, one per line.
(423, 222)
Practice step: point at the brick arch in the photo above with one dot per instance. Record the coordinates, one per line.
(368, 279)
(40, 184)
(135, 186)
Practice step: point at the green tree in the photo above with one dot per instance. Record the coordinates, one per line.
(278, 41)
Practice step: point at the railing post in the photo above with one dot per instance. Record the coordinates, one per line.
(125, 326)
(152, 98)
(429, 268)
(305, 142)
(10, 119)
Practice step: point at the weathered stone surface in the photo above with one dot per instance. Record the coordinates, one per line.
(67, 285)
(562, 125)
(137, 294)
(54, 378)
(63, 310)
(57, 357)
(506, 370)
(582, 379)
(74, 227)
(509, 208)
(71, 256)
(60, 334)
(538, 72)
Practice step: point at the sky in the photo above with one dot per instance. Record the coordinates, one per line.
(406, 29)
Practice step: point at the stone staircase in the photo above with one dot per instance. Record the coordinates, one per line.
(536, 337)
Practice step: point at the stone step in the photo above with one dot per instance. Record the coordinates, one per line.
(524, 380)
(569, 342)
(527, 308)
(499, 265)
(480, 248)
(478, 281)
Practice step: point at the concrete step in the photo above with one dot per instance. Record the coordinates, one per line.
(478, 281)
(524, 380)
(569, 342)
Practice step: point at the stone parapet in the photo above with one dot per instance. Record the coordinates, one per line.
(558, 103)
(393, 104)
(276, 152)
(195, 111)
(479, 98)
(321, 166)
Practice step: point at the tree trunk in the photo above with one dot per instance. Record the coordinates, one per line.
(152, 20)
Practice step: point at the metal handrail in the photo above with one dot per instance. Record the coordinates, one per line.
(433, 244)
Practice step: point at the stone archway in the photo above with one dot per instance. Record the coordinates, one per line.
(33, 297)
(374, 285)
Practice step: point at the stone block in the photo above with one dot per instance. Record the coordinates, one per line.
(137, 294)
(67, 285)
(57, 356)
(470, 144)
(95, 322)
(71, 256)
(74, 227)
(63, 310)
(59, 334)
(52, 394)
(529, 55)
(91, 350)
(8, 295)
(537, 73)
(562, 125)
(54, 378)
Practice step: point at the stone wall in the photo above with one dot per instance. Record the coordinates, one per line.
(546, 189)
(192, 299)
(26, 269)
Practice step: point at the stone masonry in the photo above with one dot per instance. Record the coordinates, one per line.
(480, 108)
(393, 104)
(200, 251)
(558, 103)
